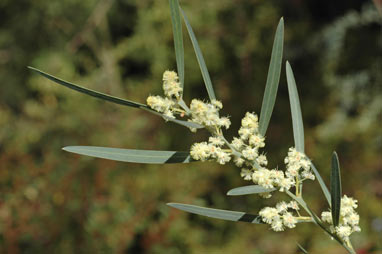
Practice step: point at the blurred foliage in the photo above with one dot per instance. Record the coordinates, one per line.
(55, 202)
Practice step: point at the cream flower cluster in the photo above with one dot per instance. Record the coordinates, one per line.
(207, 114)
(280, 217)
(349, 219)
(248, 144)
(212, 150)
(172, 90)
(298, 165)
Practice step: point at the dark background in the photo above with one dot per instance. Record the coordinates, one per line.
(55, 202)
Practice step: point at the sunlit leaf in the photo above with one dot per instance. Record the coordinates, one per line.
(218, 214)
(272, 79)
(250, 189)
(178, 38)
(335, 189)
(113, 99)
(298, 127)
(199, 57)
(131, 155)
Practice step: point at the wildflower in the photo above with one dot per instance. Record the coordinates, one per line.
(293, 205)
(246, 174)
(245, 132)
(217, 104)
(269, 214)
(286, 184)
(222, 157)
(160, 104)
(216, 141)
(238, 161)
(288, 220)
(277, 225)
(237, 143)
(200, 151)
(262, 160)
(250, 121)
(282, 207)
(250, 153)
(256, 140)
(349, 218)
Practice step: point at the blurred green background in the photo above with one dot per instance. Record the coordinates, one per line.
(55, 202)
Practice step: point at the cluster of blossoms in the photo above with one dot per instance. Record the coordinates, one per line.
(279, 217)
(298, 165)
(172, 90)
(349, 219)
(211, 150)
(245, 153)
(249, 143)
(207, 114)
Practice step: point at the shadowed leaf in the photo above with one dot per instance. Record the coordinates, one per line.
(335, 189)
(218, 214)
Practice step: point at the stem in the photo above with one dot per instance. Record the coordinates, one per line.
(318, 222)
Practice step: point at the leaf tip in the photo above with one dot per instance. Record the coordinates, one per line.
(170, 204)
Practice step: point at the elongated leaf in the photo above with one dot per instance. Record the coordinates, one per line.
(250, 189)
(113, 99)
(200, 58)
(335, 189)
(324, 189)
(89, 91)
(131, 155)
(272, 79)
(218, 214)
(302, 248)
(178, 38)
(298, 127)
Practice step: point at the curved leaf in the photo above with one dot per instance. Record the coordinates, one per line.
(273, 79)
(178, 38)
(335, 189)
(200, 58)
(113, 99)
(298, 127)
(131, 155)
(250, 189)
(218, 214)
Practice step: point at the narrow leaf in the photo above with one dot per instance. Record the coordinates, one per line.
(199, 57)
(298, 127)
(324, 189)
(272, 79)
(302, 248)
(113, 99)
(335, 189)
(218, 214)
(250, 189)
(178, 38)
(131, 155)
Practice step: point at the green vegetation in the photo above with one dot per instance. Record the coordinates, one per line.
(53, 201)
